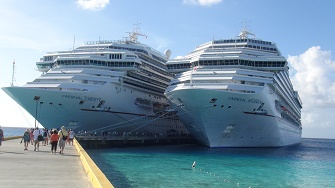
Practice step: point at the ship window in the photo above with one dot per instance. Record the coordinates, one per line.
(81, 102)
(213, 100)
(36, 98)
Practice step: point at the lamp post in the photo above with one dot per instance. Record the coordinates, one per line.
(36, 98)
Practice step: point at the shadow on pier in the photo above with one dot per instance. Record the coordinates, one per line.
(92, 141)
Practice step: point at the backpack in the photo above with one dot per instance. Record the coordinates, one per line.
(64, 137)
(45, 134)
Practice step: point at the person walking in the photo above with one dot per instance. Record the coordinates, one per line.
(36, 133)
(54, 141)
(62, 139)
(45, 137)
(71, 137)
(32, 136)
(1, 136)
(26, 139)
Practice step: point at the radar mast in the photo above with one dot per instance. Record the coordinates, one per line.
(244, 32)
(133, 36)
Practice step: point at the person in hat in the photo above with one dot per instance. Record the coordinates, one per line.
(62, 139)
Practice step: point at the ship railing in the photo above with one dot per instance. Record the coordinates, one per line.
(122, 42)
(104, 42)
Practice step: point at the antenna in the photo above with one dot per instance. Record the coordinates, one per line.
(74, 41)
(13, 73)
(245, 25)
(133, 36)
(244, 32)
(99, 43)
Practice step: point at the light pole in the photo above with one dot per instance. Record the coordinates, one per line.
(36, 98)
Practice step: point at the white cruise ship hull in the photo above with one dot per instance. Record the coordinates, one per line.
(80, 111)
(230, 120)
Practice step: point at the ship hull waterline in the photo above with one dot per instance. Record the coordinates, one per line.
(231, 121)
(79, 110)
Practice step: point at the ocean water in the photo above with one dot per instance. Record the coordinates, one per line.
(13, 131)
(308, 164)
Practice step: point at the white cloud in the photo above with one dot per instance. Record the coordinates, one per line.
(314, 79)
(92, 4)
(202, 2)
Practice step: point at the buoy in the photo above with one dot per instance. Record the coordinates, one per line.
(217, 176)
(193, 166)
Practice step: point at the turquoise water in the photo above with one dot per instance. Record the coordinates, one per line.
(308, 164)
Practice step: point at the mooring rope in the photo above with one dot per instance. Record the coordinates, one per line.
(115, 126)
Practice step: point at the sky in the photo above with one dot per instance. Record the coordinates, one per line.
(303, 31)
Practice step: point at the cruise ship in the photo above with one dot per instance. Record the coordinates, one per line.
(102, 85)
(236, 93)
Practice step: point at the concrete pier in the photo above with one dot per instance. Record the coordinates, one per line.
(19, 168)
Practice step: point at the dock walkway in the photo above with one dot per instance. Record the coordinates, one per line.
(19, 168)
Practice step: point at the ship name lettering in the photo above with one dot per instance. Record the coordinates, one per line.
(236, 99)
(255, 101)
(71, 96)
(86, 98)
(92, 99)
